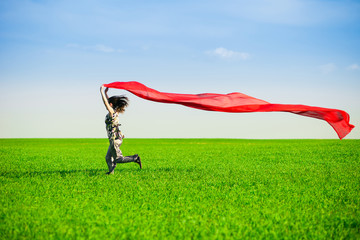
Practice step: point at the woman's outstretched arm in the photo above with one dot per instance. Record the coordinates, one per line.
(105, 99)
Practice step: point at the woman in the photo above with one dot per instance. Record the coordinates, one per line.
(115, 105)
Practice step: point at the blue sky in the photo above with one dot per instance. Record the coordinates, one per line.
(54, 55)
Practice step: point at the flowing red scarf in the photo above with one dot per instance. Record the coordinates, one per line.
(238, 102)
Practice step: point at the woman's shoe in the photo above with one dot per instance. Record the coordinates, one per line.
(138, 161)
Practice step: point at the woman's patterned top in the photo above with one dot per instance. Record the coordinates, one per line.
(112, 126)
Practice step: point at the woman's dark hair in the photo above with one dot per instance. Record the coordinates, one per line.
(119, 102)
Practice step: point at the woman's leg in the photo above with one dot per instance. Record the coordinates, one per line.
(119, 156)
(126, 159)
(110, 160)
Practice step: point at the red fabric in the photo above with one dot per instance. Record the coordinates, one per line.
(238, 102)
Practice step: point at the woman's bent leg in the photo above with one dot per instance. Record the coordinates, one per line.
(119, 156)
(122, 159)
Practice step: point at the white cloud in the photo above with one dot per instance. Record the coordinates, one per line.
(102, 48)
(328, 68)
(225, 53)
(353, 67)
(97, 47)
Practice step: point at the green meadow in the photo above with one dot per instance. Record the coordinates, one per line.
(187, 189)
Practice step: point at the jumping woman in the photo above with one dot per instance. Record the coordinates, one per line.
(115, 105)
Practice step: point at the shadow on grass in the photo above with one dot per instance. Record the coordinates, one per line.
(91, 172)
(62, 173)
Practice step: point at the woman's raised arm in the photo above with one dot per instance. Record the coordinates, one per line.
(105, 99)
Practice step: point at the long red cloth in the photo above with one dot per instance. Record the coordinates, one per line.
(238, 102)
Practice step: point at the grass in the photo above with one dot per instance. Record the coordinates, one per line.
(188, 189)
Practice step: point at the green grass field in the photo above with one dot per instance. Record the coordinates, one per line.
(188, 189)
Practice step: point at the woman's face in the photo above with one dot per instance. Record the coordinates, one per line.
(120, 110)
